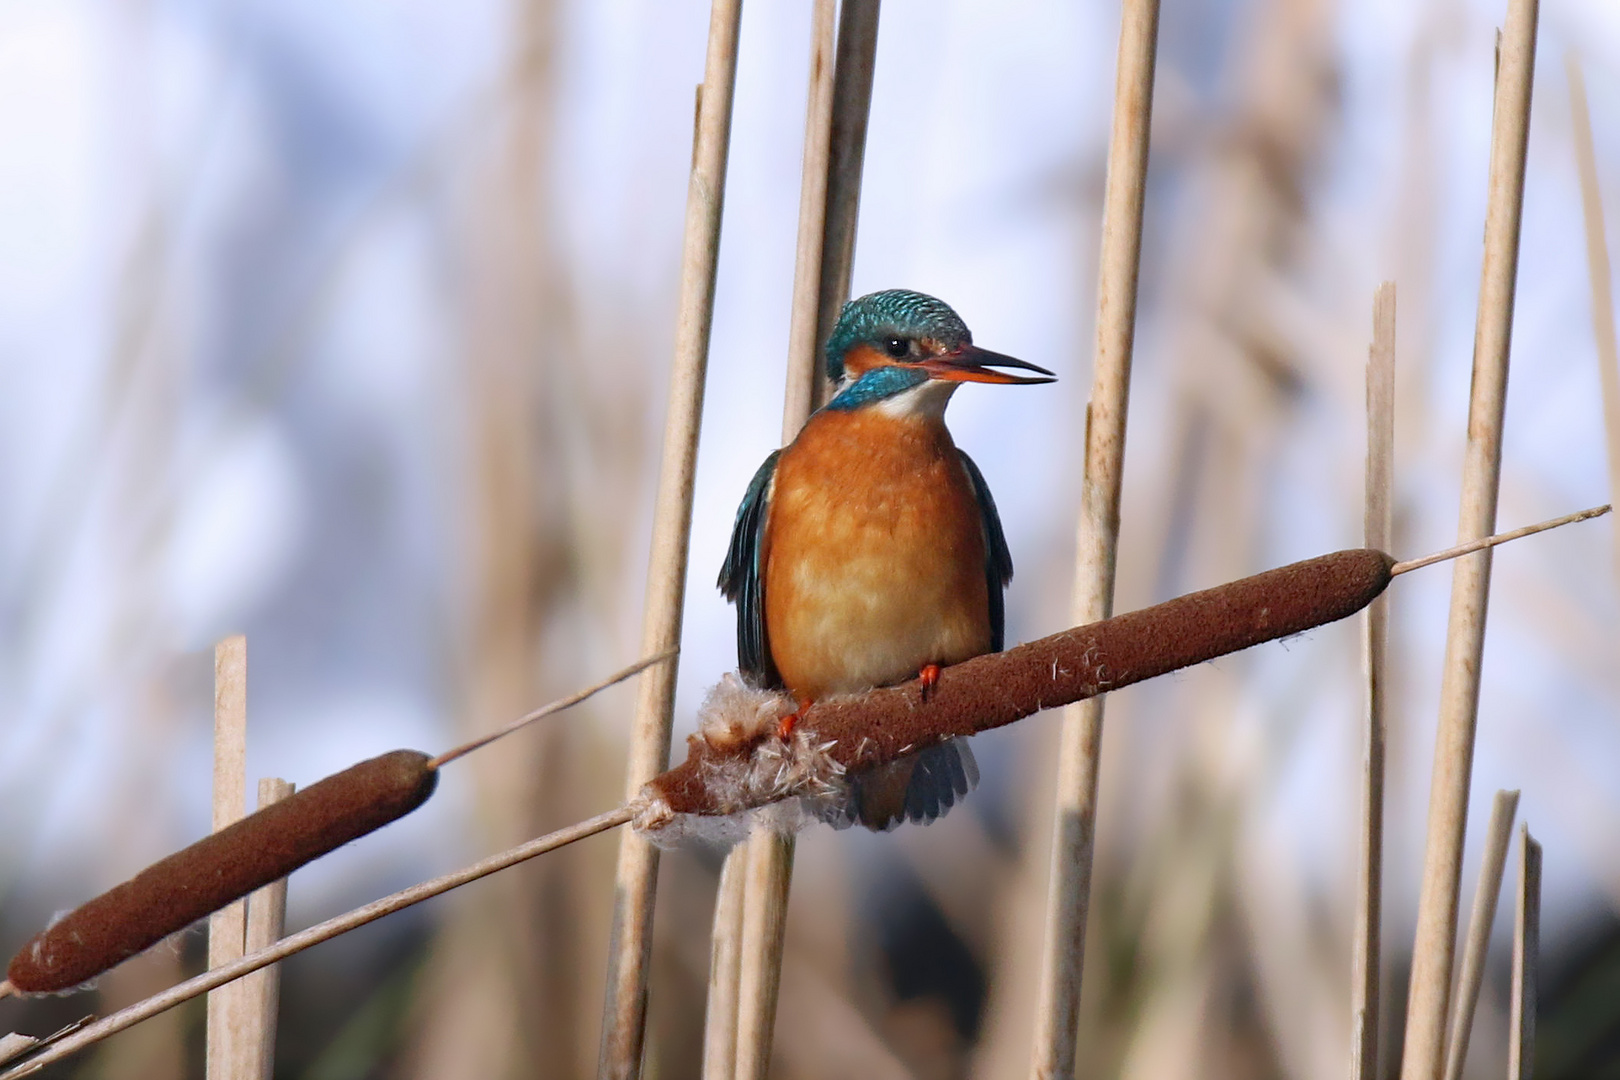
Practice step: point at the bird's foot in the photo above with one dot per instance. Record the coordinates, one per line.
(785, 726)
(929, 678)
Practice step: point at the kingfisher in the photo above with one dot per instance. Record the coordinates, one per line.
(868, 551)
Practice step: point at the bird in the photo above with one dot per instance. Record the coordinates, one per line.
(868, 550)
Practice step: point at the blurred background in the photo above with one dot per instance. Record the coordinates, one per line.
(346, 326)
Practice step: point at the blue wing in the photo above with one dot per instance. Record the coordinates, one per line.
(742, 583)
(998, 567)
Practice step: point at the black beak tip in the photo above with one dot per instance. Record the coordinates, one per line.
(986, 358)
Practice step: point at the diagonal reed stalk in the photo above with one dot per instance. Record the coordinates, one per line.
(1597, 266)
(1073, 839)
(630, 945)
(1377, 527)
(1435, 941)
(1498, 838)
(1526, 946)
(230, 1026)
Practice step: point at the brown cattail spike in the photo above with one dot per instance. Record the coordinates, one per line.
(172, 894)
(998, 688)
(873, 729)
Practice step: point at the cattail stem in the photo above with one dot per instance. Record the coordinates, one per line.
(769, 876)
(296, 943)
(839, 104)
(625, 1010)
(553, 707)
(1498, 837)
(1486, 542)
(267, 921)
(1377, 526)
(228, 1023)
(1432, 952)
(1526, 946)
(803, 360)
(725, 955)
(851, 111)
(1073, 838)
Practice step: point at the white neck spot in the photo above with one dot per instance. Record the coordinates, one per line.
(923, 401)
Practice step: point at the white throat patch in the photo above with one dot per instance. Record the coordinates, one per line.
(925, 400)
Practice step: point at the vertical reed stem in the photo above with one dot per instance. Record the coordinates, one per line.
(1526, 946)
(630, 946)
(1435, 940)
(725, 954)
(1377, 526)
(261, 991)
(764, 931)
(852, 109)
(803, 367)
(227, 928)
(839, 105)
(1068, 899)
(1498, 837)
(1597, 265)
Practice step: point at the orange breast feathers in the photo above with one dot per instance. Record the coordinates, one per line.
(873, 555)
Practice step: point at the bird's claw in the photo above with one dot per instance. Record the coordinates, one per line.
(785, 726)
(929, 678)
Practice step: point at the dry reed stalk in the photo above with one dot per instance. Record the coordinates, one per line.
(630, 948)
(1496, 540)
(768, 877)
(839, 100)
(230, 1029)
(1526, 946)
(804, 374)
(261, 991)
(562, 703)
(851, 110)
(1377, 527)
(15, 1044)
(1069, 884)
(1435, 941)
(1498, 837)
(760, 922)
(720, 1018)
(296, 943)
(1597, 265)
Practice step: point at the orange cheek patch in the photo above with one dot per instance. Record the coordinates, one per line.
(863, 358)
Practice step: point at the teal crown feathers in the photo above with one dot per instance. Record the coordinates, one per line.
(893, 313)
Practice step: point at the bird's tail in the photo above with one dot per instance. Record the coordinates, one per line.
(920, 787)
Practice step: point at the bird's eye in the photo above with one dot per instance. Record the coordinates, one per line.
(897, 347)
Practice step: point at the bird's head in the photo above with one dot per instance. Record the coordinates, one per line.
(890, 343)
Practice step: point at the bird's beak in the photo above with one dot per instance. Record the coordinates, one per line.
(973, 364)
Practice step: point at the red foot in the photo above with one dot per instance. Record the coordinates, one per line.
(929, 677)
(784, 726)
